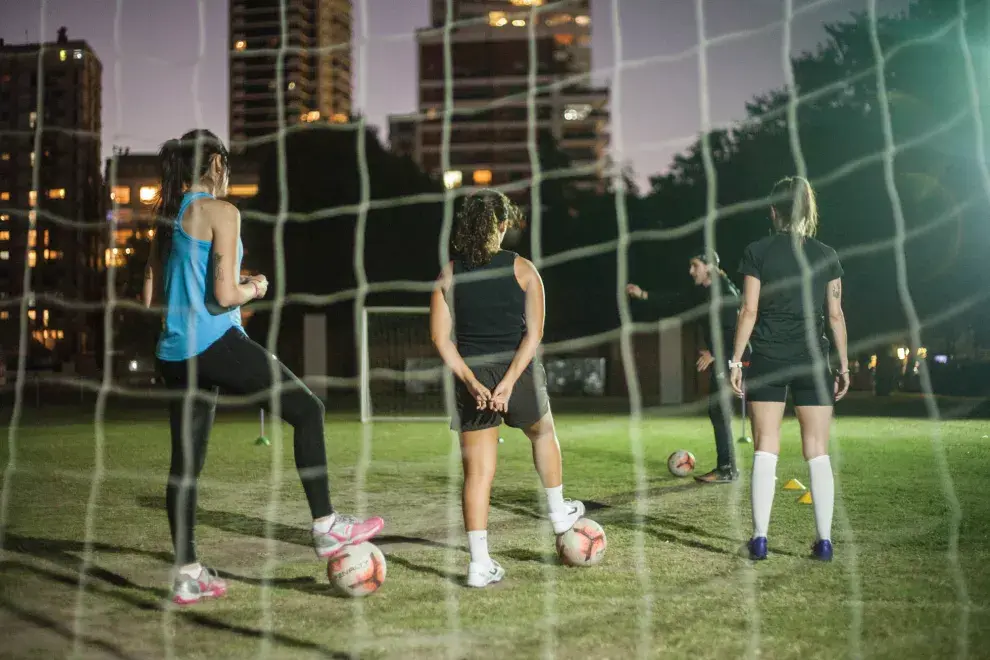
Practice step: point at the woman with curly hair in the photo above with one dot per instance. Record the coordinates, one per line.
(486, 320)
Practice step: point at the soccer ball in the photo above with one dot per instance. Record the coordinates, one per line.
(583, 544)
(357, 571)
(681, 463)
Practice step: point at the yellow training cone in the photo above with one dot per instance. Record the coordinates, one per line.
(805, 499)
(794, 484)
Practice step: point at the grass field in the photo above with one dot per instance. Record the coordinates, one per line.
(894, 590)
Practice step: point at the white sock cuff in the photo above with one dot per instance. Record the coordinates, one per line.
(766, 455)
(819, 459)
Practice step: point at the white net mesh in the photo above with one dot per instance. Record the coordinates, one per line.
(714, 195)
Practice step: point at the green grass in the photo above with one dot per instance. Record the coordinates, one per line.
(893, 591)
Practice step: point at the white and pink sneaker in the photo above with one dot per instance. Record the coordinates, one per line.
(345, 531)
(188, 590)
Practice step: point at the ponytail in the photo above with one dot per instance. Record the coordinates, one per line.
(182, 162)
(169, 195)
(797, 212)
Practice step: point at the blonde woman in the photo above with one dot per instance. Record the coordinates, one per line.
(773, 321)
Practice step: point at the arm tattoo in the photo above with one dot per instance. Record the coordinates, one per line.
(836, 290)
(218, 267)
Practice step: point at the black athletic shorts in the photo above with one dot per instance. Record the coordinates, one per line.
(528, 404)
(768, 380)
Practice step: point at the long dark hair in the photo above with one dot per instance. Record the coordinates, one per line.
(476, 231)
(183, 162)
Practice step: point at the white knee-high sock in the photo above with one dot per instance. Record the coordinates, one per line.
(763, 485)
(822, 494)
(478, 546)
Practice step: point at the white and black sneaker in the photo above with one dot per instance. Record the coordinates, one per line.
(565, 518)
(482, 574)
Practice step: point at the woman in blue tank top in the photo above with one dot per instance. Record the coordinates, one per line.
(194, 271)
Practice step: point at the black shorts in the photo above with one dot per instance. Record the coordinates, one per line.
(768, 380)
(528, 404)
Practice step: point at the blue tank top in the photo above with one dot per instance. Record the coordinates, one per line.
(193, 319)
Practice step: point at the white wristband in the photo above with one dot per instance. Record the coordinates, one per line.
(735, 365)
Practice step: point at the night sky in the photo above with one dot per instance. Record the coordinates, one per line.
(167, 85)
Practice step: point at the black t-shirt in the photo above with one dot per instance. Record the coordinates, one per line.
(780, 332)
(489, 308)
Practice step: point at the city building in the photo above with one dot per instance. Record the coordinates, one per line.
(132, 181)
(493, 107)
(315, 62)
(50, 194)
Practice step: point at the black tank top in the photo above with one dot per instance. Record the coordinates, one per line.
(489, 308)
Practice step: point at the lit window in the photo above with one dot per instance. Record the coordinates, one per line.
(62, 55)
(32, 314)
(4, 218)
(46, 237)
(527, 3)
(339, 118)
(452, 179)
(78, 54)
(292, 85)
(5, 196)
(564, 39)
(147, 194)
(483, 177)
(32, 237)
(32, 217)
(519, 22)
(240, 45)
(32, 159)
(5, 156)
(583, 20)
(33, 119)
(313, 115)
(61, 334)
(497, 18)
(242, 190)
(32, 197)
(44, 317)
(4, 255)
(56, 193)
(121, 194)
(559, 19)
(4, 235)
(577, 111)
(4, 315)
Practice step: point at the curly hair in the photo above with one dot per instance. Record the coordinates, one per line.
(475, 238)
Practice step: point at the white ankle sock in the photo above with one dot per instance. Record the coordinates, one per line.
(822, 494)
(478, 546)
(763, 484)
(192, 570)
(555, 498)
(323, 526)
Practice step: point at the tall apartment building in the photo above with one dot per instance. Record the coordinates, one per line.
(491, 47)
(50, 206)
(315, 62)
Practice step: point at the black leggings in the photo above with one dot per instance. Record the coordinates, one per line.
(721, 419)
(240, 366)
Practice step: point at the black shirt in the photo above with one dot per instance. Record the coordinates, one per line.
(489, 307)
(780, 332)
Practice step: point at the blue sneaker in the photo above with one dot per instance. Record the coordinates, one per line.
(758, 548)
(822, 550)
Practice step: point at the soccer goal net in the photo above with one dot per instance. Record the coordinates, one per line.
(401, 376)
